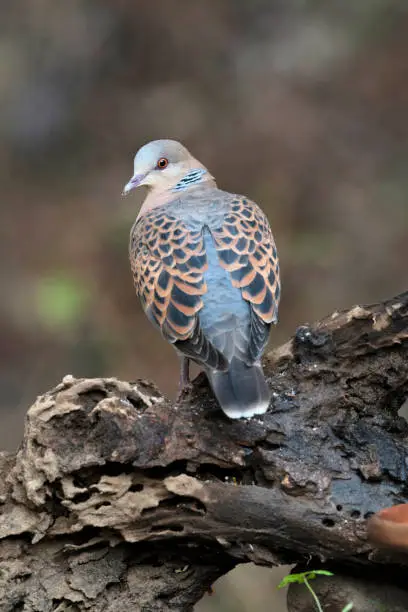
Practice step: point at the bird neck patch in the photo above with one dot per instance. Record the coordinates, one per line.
(193, 176)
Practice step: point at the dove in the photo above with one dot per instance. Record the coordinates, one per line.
(206, 270)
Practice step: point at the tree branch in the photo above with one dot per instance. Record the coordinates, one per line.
(118, 498)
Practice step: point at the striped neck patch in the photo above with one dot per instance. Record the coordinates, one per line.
(194, 176)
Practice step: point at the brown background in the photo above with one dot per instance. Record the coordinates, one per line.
(299, 104)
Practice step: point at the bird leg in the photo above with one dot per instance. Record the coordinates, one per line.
(184, 383)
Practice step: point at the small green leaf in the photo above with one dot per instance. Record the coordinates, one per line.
(348, 607)
(301, 577)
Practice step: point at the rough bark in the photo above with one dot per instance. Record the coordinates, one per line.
(119, 499)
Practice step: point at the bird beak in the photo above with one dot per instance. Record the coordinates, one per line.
(135, 181)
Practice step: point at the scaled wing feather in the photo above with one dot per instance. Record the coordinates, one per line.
(246, 249)
(168, 262)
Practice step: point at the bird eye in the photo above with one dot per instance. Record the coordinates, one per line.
(162, 163)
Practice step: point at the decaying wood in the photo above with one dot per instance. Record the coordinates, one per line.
(118, 499)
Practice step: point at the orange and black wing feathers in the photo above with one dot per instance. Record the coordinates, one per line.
(247, 250)
(168, 262)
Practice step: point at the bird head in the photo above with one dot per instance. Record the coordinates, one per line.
(162, 164)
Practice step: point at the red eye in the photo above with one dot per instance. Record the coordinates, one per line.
(162, 163)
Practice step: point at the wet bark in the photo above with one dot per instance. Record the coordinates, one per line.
(119, 499)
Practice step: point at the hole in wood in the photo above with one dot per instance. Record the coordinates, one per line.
(102, 504)
(81, 497)
(167, 527)
(136, 488)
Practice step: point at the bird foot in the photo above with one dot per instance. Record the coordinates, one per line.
(183, 391)
(185, 386)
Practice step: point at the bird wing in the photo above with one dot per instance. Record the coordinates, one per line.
(246, 249)
(168, 263)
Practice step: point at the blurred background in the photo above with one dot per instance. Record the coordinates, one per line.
(299, 104)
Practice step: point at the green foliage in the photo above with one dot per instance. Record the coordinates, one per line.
(303, 578)
(60, 301)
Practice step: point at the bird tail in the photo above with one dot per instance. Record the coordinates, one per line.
(242, 390)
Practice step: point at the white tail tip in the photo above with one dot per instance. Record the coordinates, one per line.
(247, 412)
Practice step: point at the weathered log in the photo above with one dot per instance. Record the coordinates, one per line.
(119, 499)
